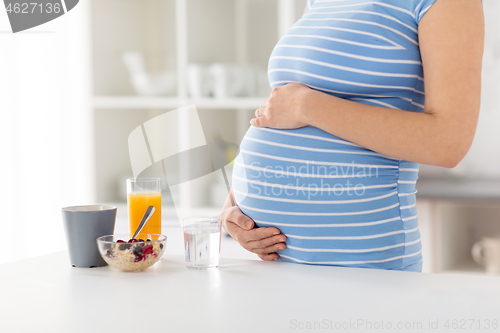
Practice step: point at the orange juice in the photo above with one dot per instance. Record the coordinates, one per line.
(138, 203)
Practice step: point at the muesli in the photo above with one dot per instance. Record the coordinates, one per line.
(134, 255)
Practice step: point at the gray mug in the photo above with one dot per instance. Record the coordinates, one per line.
(83, 225)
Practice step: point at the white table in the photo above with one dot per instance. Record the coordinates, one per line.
(45, 294)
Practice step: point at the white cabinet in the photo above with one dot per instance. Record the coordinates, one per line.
(171, 34)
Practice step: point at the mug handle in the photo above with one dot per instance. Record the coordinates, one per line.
(477, 253)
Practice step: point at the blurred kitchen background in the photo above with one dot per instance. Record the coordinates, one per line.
(72, 90)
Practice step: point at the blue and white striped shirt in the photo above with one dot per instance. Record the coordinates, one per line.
(339, 203)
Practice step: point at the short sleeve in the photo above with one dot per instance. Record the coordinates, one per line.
(421, 7)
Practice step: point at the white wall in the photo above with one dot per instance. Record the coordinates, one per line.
(149, 26)
(46, 135)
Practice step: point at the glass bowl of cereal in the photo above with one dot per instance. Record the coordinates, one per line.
(130, 255)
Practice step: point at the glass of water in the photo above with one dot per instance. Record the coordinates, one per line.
(202, 241)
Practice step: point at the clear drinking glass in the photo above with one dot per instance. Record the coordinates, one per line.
(202, 241)
(142, 193)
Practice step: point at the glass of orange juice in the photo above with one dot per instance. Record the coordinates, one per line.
(142, 193)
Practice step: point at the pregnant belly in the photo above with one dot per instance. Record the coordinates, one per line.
(337, 202)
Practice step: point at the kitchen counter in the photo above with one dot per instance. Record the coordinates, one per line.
(46, 294)
(459, 189)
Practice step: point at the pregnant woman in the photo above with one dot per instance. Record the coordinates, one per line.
(326, 173)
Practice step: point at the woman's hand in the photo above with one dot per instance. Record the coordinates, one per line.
(284, 109)
(265, 242)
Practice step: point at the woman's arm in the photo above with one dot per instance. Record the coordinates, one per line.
(451, 36)
(264, 242)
